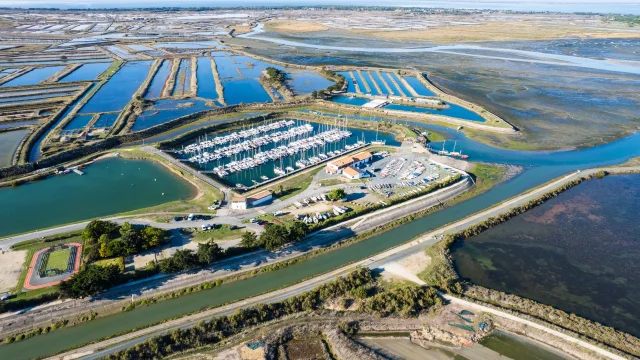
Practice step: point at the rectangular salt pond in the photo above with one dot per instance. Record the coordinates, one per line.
(183, 78)
(206, 82)
(118, 91)
(244, 91)
(190, 45)
(159, 80)
(380, 83)
(166, 110)
(391, 77)
(32, 98)
(86, 72)
(106, 120)
(363, 75)
(418, 86)
(9, 142)
(121, 53)
(454, 111)
(34, 76)
(305, 82)
(351, 88)
(78, 122)
(137, 47)
(54, 62)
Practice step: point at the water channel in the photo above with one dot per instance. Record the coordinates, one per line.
(540, 167)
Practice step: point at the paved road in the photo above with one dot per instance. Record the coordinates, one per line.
(376, 261)
(156, 285)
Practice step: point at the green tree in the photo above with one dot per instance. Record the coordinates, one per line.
(297, 231)
(90, 281)
(209, 252)
(314, 94)
(249, 239)
(97, 228)
(153, 236)
(181, 260)
(336, 194)
(274, 237)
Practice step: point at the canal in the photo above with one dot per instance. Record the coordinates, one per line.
(540, 168)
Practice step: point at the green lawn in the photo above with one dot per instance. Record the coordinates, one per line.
(224, 232)
(114, 261)
(58, 260)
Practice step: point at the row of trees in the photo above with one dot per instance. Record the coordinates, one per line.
(218, 329)
(275, 236)
(106, 239)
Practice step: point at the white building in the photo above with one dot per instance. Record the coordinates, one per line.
(353, 173)
(239, 203)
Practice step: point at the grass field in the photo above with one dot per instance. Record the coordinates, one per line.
(58, 260)
(224, 232)
(115, 261)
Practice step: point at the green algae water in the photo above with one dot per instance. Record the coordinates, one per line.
(577, 252)
(107, 187)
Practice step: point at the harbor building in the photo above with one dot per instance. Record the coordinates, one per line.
(352, 173)
(243, 203)
(260, 198)
(337, 166)
(239, 203)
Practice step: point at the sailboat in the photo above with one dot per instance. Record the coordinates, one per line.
(378, 142)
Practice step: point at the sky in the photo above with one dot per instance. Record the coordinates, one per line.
(603, 6)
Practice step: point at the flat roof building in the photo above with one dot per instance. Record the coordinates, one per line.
(239, 203)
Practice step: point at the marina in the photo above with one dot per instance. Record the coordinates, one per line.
(245, 158)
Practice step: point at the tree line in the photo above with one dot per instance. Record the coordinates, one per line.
(275, 236)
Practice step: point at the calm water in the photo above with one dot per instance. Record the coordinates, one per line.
(244, 91)
(206, 82)
(159, 80)
(452, 111)
(578, 252)
(612, 153)
(183, 78)
(418, 86)
(518, 348)
(368, 81)
(35, 153)
(166, 110)
(305, 82)
(34, 76)
(109, 186)
(376, 78)
(247, 177)
(350, 87)
(106, 120)
(30, 98)
(78, 122)
(118, 91)
(86, 72)
(9, 142)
